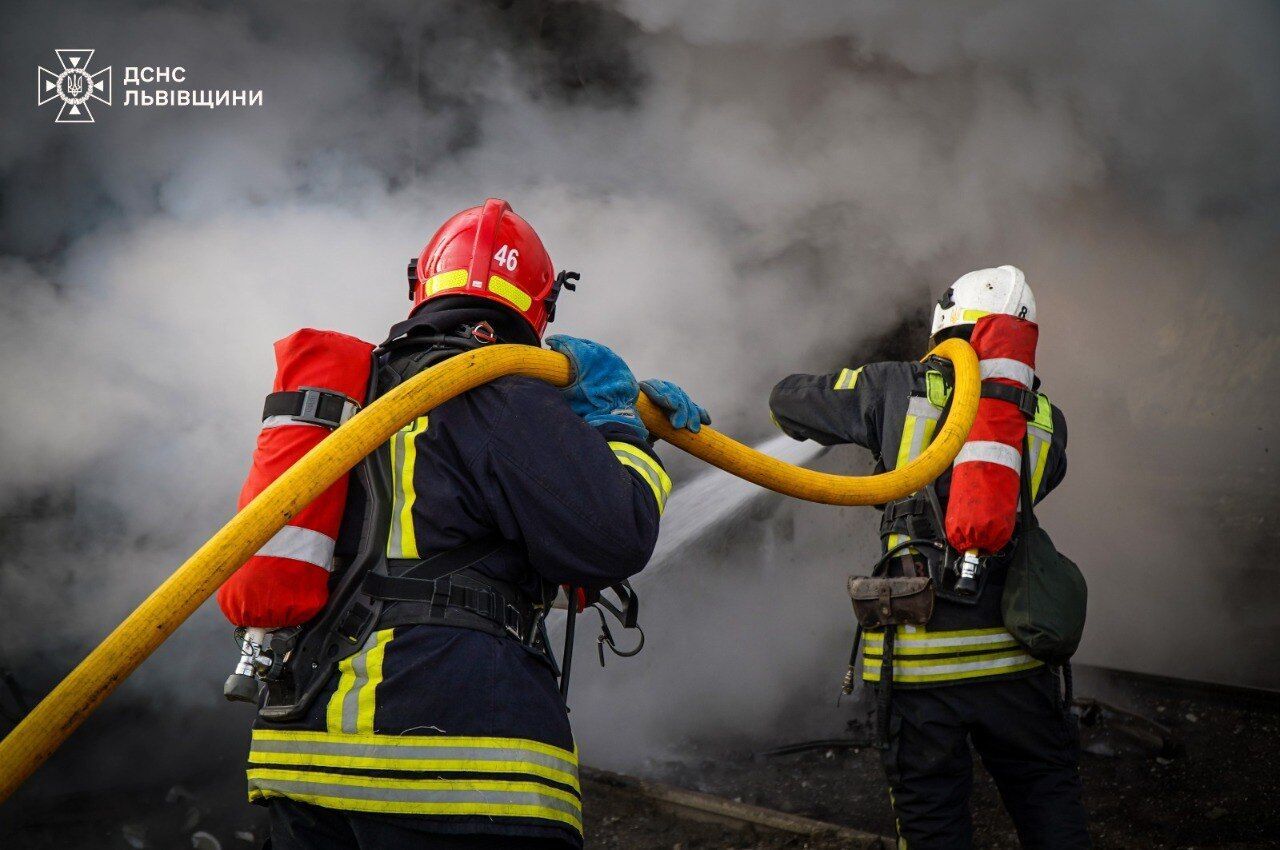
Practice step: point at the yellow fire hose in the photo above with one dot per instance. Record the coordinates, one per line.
(76, 696)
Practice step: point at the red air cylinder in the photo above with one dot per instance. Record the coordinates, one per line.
(286, 582)
(983, 504)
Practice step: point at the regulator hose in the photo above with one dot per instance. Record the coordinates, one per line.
(40, 733)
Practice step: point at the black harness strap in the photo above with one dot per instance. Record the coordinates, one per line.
(432, 591)
(1025, 400)
(312, 405)
(416, 583)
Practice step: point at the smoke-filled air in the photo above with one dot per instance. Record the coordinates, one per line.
(748, 189)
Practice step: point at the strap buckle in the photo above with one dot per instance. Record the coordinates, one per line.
(324, 407)
(1026, 400)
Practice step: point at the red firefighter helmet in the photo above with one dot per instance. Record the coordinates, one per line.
(488, 252)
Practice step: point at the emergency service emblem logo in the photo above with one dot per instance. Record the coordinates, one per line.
(74, 86)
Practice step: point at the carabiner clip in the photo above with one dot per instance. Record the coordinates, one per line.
(606, 639)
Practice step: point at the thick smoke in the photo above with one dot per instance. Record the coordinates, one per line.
(749, 189)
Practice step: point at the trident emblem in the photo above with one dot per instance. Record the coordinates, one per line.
(74, 86)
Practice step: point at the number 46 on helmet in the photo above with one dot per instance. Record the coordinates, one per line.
(490, 252)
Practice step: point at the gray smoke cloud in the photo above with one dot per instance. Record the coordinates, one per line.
(749, 189)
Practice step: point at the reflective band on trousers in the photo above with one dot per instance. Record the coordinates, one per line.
(459, 776)
(301, 544)
(648, 468)
(989, 451)
(1007, 367)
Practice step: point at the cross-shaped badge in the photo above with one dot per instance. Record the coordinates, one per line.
(74, 85)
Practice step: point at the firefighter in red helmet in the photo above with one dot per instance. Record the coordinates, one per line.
(445, 727)
(961, 677)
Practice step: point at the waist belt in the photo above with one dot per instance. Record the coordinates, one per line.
(464, 599)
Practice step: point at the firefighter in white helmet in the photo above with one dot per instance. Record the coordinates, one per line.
(961, 678)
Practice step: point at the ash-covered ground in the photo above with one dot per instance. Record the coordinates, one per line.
(1216, 787)
(1211, 783)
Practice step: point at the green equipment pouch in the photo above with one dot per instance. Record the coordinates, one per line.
(1045, 594)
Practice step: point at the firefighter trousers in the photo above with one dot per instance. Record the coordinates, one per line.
(301, 826)
(1026, 741)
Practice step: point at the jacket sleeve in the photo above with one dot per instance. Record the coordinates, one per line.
(584, 501)
(840, 407)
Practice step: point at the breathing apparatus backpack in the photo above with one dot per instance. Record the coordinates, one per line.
(367, 590)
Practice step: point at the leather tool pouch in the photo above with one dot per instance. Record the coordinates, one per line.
(882, 602)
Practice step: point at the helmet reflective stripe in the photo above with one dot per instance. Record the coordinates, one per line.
(455, 279)
(980, 293)
(510, 292)
(488, 252)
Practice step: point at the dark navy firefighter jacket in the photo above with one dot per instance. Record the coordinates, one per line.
(454, 730)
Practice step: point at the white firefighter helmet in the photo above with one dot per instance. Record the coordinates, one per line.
(977, 294)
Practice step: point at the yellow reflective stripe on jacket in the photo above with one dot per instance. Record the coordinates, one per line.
(402, 542)
(921, 656)
(353, 704)
(1038, 443)
(917, 434)
(941, 643)
(936, 389)
(649, 469)
(374, 773)
(917, 429)
(936, 672)
(488, 798)
(847, 378)
(406, 753)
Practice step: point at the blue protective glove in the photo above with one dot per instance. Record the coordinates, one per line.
(682, 411)
(603, 388)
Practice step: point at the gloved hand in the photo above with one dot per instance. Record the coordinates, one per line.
(603, 388)
(682, 411)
